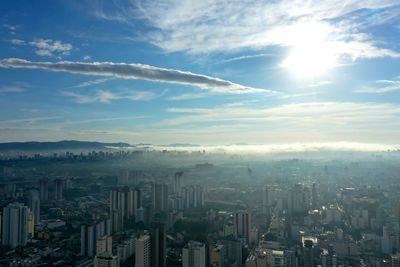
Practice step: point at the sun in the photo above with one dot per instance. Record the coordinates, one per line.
(311, 54)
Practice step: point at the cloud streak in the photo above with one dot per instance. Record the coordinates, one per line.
(136, 71)
(382, 87)
(105, 96)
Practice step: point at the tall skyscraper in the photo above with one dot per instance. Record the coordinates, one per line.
(58, 189)
(34, 204)
(194, 255)
(90, 234)
(104, 257)
(299, 200)
(328, 257)
(193, 196)
(44, 189)
(143, 251)
(308, 253)
(104, 245)
(124, 205)
(266, 197)
(158, 245)
(233, 248)
(15, 225)
(314, 197)
(160, 197)
(177, 182)
(242, 225)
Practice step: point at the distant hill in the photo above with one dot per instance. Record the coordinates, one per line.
(60, 145)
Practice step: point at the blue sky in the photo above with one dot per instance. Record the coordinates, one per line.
(204, 72)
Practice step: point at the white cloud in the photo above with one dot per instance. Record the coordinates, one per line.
(218, 26)
(48, 47)
(381, 87)
(137, 71)
(104, 96)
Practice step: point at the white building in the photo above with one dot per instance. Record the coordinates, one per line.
(194, 255)
(15, 225)
(143, 251)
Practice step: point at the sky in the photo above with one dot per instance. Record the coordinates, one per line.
(200, 72)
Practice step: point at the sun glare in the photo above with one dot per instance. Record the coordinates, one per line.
(311, 54)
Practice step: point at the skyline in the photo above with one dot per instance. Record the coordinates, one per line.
(210, 73)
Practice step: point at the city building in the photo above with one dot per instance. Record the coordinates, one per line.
(158, 245)
(194, 255)
(16, 225)
(34, 204)
(143, 251)
(160, 197)
(242, 225)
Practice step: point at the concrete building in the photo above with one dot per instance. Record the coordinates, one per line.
(15, 225)
(143, 251)
(194, 255)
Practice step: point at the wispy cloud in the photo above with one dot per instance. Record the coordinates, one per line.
(233, 59)
(16, 87)
(29, 120)
(17, 42)
(105, 96)
(304, 115)
(214, 26)
(187, 97)
(90, 83)
(137, 71)
(381, 87)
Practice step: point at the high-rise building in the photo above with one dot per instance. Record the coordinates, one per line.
(395, 260)
(104, 245)
(90, 234)
(193, 196)
(242, 225)
(314, 197)
(124, 205)
(15, 225)
(177, 182)
(298, 200)
(217, 256)
(58, 189)
(266, 201)
(194, 255)
(291, 258)
(104, 256)
(328, 257)
(233, 249)
(143, 251)
(44, 189)
(34, 204)
(308, 252)
(106, 260)
(160, 197)
(158, 245)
